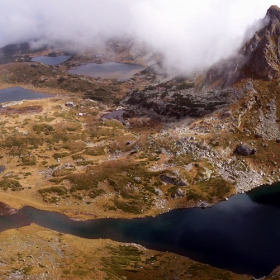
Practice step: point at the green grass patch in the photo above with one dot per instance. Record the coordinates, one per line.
(8, 183)
(61, 155)
(43, 128)
(122, 261)
(28, 160)
(53, 194)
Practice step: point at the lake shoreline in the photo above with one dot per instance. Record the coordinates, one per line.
(125, 216)
(179, 231)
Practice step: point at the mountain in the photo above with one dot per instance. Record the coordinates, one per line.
(259, 57)
(206, 92)
(263, 50)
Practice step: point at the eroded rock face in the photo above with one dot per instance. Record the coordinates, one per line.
(245, 150)
(178, 98)
(274, 12)
(263, 50)
(259, 57)
(172, 180)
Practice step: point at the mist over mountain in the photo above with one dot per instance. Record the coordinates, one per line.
(258, 57)
(190, 35)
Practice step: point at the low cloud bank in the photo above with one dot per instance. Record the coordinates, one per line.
(191, 35)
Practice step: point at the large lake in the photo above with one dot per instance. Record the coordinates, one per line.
(18, 93)
(108, 70)
(49, 60)
(241, 234)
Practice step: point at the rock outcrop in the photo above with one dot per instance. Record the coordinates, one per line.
(172, 180)
(178, 98)
(258, 58)
(189, 96)
(263, 50)
(245, 150)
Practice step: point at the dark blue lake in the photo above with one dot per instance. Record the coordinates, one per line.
(241, 234)
(49, 60)
(18, 93)
(108, 70)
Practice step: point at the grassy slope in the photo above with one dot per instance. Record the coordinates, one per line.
(36, 253)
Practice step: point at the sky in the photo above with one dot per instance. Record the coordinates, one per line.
(190, 34)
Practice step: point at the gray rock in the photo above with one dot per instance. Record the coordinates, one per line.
(180, 193)
(70, 104)
(172, 180)
(245, 150)
(226, 114)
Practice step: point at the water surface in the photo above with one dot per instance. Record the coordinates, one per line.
(50, 60)
(108, 70)
(114, 115)
(240, 234)
(18, 93)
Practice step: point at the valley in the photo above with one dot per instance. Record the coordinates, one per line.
(172, 141)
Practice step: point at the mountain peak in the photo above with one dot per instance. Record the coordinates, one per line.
(273, 12)
(259, 57)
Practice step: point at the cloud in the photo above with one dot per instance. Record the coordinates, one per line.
(190, 34)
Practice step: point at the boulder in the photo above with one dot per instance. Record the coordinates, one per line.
(245, 150)
(70, 104)
(226, 114)
(180, 193)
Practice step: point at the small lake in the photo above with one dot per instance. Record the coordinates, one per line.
(241, 234)
(114, 115)
(18, 93)
(108, 70)
(51, 60)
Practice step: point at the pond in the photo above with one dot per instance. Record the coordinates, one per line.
(108, 70)
(114, 115)
(51, 60)
(241, 234)
(18, 93)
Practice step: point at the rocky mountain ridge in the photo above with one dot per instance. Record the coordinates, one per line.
(259, 57)
(221, 85)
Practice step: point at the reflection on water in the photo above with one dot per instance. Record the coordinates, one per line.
(108, 70)
(49, 60)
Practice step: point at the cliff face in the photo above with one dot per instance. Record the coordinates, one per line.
(258, 58)
(263, 50)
